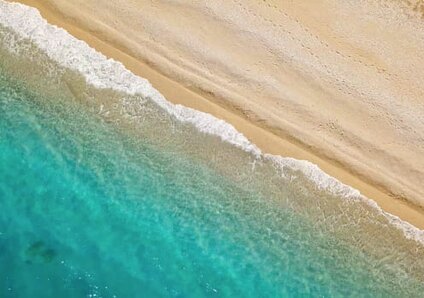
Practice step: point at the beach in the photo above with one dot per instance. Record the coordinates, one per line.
(122, 175)
(296, 79)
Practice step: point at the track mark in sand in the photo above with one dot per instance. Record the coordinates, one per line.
(305, 43)
(327, 46)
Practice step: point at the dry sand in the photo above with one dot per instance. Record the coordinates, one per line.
(338, 83)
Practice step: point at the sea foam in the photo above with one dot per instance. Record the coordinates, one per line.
(102, 72)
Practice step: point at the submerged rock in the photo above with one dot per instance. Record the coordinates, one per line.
(38, 252)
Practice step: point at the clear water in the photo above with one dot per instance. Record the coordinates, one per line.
(102, 200)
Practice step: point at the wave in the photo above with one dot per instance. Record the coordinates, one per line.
(104, 73)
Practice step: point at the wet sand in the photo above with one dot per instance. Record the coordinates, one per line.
(337, 84)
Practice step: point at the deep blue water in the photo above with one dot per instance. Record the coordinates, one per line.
(91, 206)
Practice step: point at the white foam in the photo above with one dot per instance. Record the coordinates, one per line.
(102, 72)
(315, 174)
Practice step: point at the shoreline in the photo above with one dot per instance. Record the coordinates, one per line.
(264, 139)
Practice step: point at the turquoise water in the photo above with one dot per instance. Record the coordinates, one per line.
(98, 200)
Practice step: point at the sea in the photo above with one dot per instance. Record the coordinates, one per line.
(109, 190)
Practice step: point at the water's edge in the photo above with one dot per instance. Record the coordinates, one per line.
(104, 73)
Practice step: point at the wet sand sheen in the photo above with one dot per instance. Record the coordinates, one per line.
(265, 139)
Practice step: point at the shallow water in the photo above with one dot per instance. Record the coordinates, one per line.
(106, 194)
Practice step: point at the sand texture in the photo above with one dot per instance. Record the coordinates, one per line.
(340, 83)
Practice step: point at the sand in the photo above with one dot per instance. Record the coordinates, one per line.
(338, 83)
